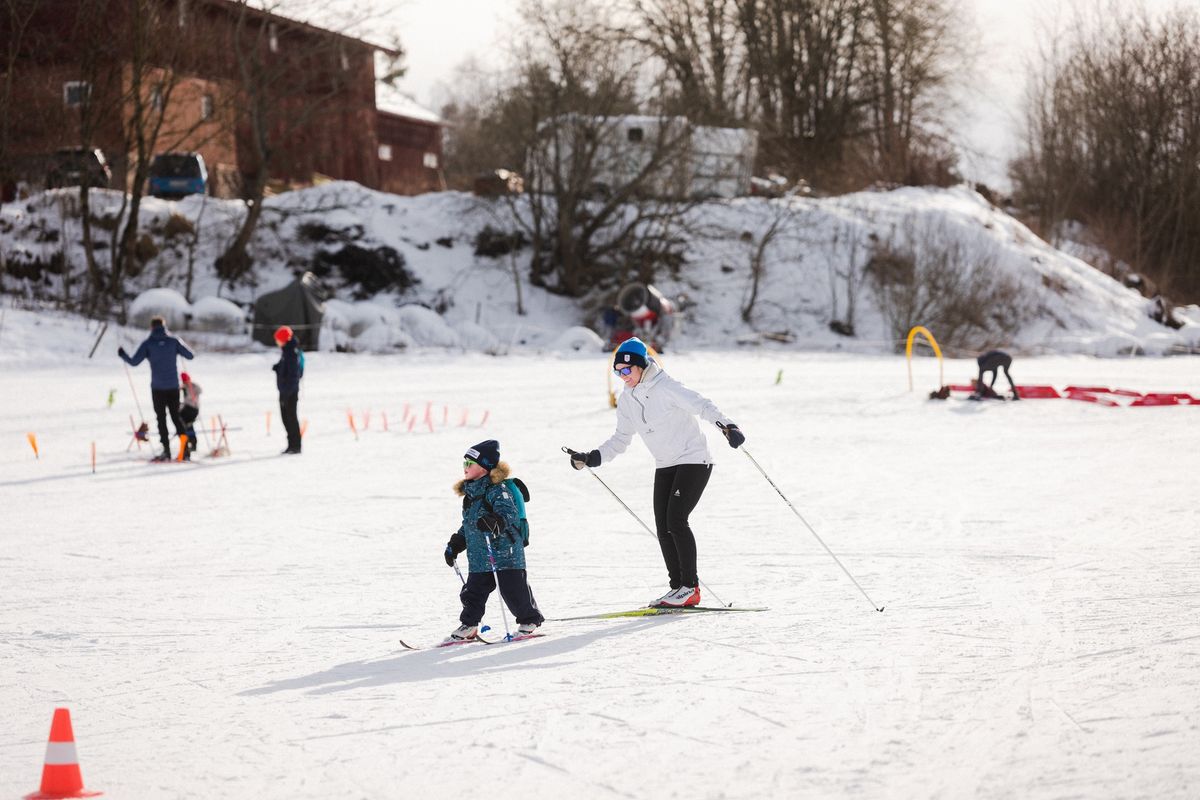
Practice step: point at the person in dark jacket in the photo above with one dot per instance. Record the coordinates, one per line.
(288, 372)
(490, 517)
(162, 349)
(993, 361)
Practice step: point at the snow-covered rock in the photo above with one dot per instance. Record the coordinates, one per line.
(578, 339)
(160, 302)
(217, 315)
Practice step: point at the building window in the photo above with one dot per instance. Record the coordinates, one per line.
(385, 152)
(206, 107)
(273, 37)
(76, 93)
(635, 134)
(156, 97)
(345, 59)
(430, 160)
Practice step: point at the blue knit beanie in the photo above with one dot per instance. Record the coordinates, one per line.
(631, 353)
(485, 454)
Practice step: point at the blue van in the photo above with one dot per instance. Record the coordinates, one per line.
(175, 175)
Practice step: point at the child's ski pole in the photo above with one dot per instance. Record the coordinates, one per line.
(487, 538)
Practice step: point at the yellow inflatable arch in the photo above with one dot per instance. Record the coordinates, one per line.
(923, 331)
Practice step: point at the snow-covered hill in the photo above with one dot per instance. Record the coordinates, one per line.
(813, 271)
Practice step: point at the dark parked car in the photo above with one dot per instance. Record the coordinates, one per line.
(174, 175)
(73, 166)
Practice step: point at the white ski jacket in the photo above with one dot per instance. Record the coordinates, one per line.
(663, 412)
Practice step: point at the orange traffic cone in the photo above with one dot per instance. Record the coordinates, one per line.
(60, 775)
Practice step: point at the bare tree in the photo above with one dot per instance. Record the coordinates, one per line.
(698, 45)
(1113, 139)
(914, 48)
(606, 191)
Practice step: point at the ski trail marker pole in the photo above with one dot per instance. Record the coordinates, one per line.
(646, 527)
(753, 461)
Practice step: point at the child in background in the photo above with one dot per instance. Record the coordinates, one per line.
(189, 395)
(489, 516)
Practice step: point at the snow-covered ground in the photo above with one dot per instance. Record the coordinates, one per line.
(228, 628)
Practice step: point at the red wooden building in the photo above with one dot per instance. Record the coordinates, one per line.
(217, 77)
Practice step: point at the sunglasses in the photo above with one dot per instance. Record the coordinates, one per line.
(623, 371)
(468, 464)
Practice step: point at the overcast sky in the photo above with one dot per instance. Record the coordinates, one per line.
(440, 34)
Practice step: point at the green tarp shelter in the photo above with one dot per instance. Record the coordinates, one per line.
(300, 304)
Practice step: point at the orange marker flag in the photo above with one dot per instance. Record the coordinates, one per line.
(183, 443)
(485, 416)
(303, 428)
(33, 443)
(353, 427)
(268, 423)
(384, 421)
(93, 458)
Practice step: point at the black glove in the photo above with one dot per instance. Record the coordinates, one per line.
(489, 523)
(733, 435)
(121, 352)
(588, 459)
(456, 545)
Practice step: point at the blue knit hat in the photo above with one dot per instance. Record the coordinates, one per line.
(631, 353)
(485, 454)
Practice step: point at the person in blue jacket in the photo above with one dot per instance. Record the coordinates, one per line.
(288, 372)
(490, 516)
(162, 349)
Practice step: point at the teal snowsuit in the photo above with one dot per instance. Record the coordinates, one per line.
(482, 496)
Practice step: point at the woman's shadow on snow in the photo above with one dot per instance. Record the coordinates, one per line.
(439, 663)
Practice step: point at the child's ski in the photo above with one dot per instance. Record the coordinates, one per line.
(475, 639)
(655, 611)
(515, 638)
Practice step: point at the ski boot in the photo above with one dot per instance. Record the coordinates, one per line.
(462, 633)
(681, 597)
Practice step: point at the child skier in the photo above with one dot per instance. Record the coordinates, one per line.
(189, 395)
(490, 533)
(993, 361)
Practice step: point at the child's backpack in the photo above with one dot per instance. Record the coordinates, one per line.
(520, 495)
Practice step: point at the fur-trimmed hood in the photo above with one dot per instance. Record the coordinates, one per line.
(497, 475)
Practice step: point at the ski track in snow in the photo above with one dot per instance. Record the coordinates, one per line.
(228, 628)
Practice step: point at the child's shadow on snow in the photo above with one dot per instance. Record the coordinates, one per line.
(450, 662)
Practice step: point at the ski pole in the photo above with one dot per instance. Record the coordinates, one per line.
(459, 572)
(810, 528)
(134, 391)
(487, 539)
(646, 527)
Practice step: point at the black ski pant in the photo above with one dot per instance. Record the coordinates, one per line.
(291, 424)
(514, 591)
(677, 490)
(167, 401)
(993, 361)
(188, 414)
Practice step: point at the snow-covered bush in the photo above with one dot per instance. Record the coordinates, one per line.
(217, 315)
(477, 337)
(166, 303)
(578, 340)
(426, 327)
